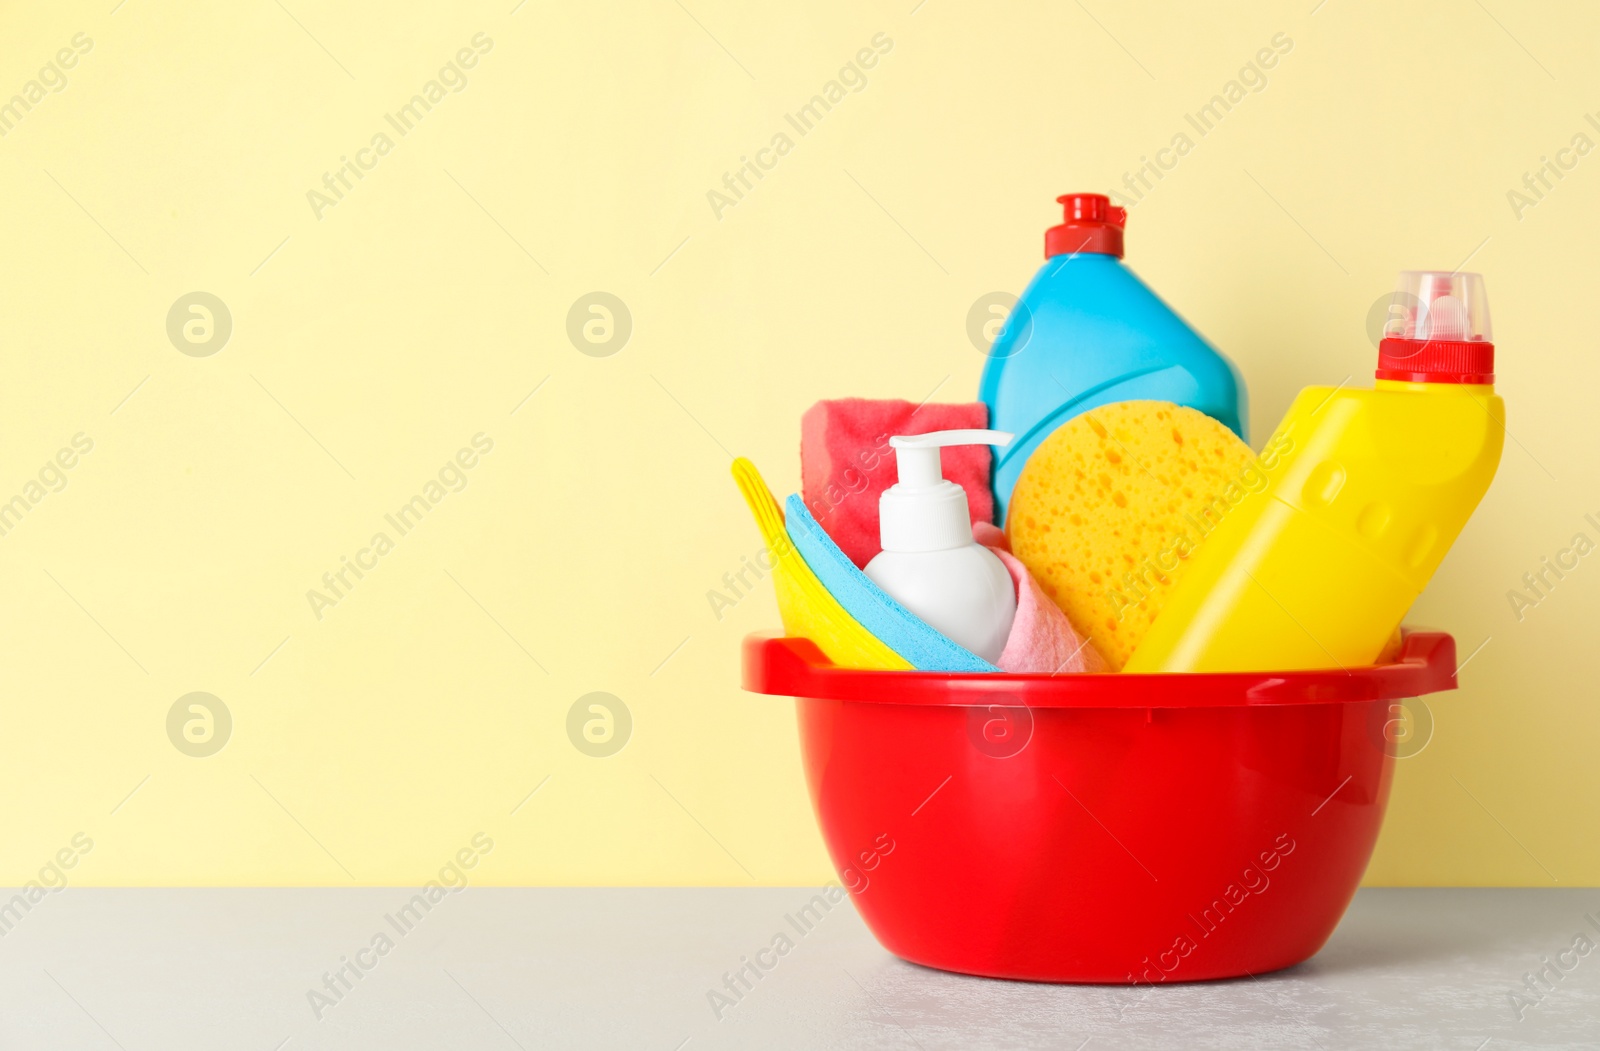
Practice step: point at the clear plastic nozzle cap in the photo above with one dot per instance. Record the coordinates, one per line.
(1439, 305)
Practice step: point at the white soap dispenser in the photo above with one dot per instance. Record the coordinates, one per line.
(929, 563)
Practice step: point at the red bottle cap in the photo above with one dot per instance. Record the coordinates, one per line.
(1438, 330)
(1436, 361)
(1093, 224)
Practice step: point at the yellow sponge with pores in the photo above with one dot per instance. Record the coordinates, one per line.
(1110, 506)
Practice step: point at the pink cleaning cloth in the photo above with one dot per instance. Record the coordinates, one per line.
(1042, 640)
(846, 463)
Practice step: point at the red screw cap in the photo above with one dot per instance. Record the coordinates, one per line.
(1093, 224)
(1436, 361)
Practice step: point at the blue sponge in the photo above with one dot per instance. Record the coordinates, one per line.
(898, 628)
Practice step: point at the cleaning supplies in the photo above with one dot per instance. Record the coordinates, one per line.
(929, 562)
(1111, 505)
(1087, 332)
(1371, 488)
(845, 463)
(805, 606)
(906, 634)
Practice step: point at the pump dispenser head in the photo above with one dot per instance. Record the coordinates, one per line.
(923, 511)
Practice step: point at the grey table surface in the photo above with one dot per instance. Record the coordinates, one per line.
(557, 968)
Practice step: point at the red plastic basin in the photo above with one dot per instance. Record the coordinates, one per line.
(1099, 828)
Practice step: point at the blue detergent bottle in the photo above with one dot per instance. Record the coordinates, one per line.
(1088, 332)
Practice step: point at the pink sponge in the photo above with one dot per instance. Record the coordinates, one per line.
(846, 462)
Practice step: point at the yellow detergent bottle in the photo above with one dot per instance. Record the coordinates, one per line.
(1360, 494)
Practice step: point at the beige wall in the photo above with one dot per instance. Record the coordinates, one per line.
(374, 337)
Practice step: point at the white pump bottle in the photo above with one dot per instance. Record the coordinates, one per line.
(929, 563)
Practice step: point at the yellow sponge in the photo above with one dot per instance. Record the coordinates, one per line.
(1109, 506)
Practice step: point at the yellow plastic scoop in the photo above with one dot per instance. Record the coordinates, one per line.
(807, 609)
